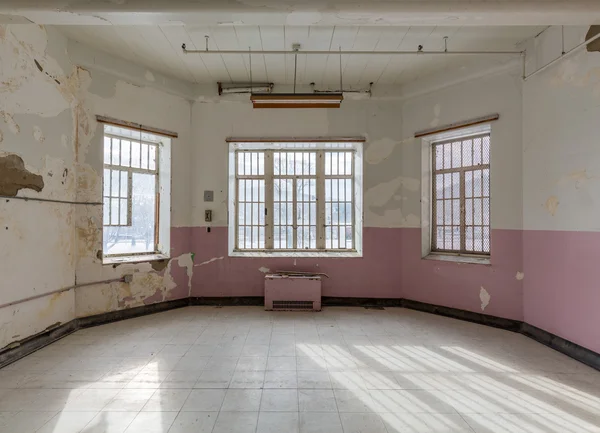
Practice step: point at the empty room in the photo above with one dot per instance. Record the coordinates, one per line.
(299, 217)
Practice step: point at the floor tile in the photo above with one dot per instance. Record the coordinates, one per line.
(247, 379)
(194, 422)
(129, 400)
(279, 400)
(316, 400)
(281, 379)
(151, 422)
(242, 400)
(320, 422)
(167, 400)
(281, 363)
(68, 422)
(236, 422)
(278, 422)
(110, 422)
(310, 379)
(208, 400)
(362, 423)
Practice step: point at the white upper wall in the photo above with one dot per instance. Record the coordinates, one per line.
(496, 93)
(561, 108)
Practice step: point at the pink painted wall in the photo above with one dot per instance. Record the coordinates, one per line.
(562, 278)
(458, 285)
(375, 275)
(390, 268)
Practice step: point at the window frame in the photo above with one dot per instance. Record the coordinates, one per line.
(284, 145)
(440, 140)
(161, 173)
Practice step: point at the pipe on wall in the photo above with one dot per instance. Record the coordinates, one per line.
(64, 289)
(562, 56)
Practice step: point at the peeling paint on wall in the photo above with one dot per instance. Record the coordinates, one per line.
(263, 269)
(38, 134)
(14, 176)
(379, 150)
(595, 45)
(520, 276)
(580, 177)
(551, 205)
(10, 122)
(214, 259)
(484, 297)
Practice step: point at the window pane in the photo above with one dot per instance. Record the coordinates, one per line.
(469, 184)
(106, 186)
(106, 150)
(115, 152)
(135, 154)
(114, 211)
(456, 154)
(477, 151)
(439, 157)
(106, 211)
(144, 155)
(124, 184)
(153, 150)
(125, 153)
(486, 150)
(123, 212)
(114, 191)
(467, 153)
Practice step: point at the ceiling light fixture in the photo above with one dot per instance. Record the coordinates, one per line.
(296, 100)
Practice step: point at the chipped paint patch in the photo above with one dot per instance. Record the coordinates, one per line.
(14, 176)
(187, 261)
(520, 276)
(379, 150)
(10, 122)
(593, 46)
(263, 269)
(214, 259)
(38, 134)
(580, 177)
(484, 297)
(1, 137)
(159, 265)
(551, 205)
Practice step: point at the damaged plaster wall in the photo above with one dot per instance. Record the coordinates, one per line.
(108, 95)
(458, 284)
(51, 148)
(561, 198)
(37, 239)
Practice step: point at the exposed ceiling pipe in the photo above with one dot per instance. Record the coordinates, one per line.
(562, 56)
(337, 53)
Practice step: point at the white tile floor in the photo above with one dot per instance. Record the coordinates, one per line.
(344, 370)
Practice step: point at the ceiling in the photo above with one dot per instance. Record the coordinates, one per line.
(303, 12)
(159, 48)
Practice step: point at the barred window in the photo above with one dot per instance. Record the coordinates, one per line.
(296, 198)
(131, 191)
(461, 195)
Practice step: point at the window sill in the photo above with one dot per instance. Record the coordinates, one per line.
(296, 254)
(134, 259)
(477, 260)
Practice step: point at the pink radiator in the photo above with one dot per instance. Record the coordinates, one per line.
(292, 293)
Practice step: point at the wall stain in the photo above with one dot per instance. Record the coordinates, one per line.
(159, 265)
(551, 205)
(14, 176)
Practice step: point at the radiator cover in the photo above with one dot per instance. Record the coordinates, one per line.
(292, 293)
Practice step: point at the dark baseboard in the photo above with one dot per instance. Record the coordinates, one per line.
(130, 313)
(469, 316)
(331, 301)
(25, 347)
(575, 351)
(233, 301)
(18, 350)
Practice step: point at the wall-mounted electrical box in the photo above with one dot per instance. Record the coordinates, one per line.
(208, 216)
